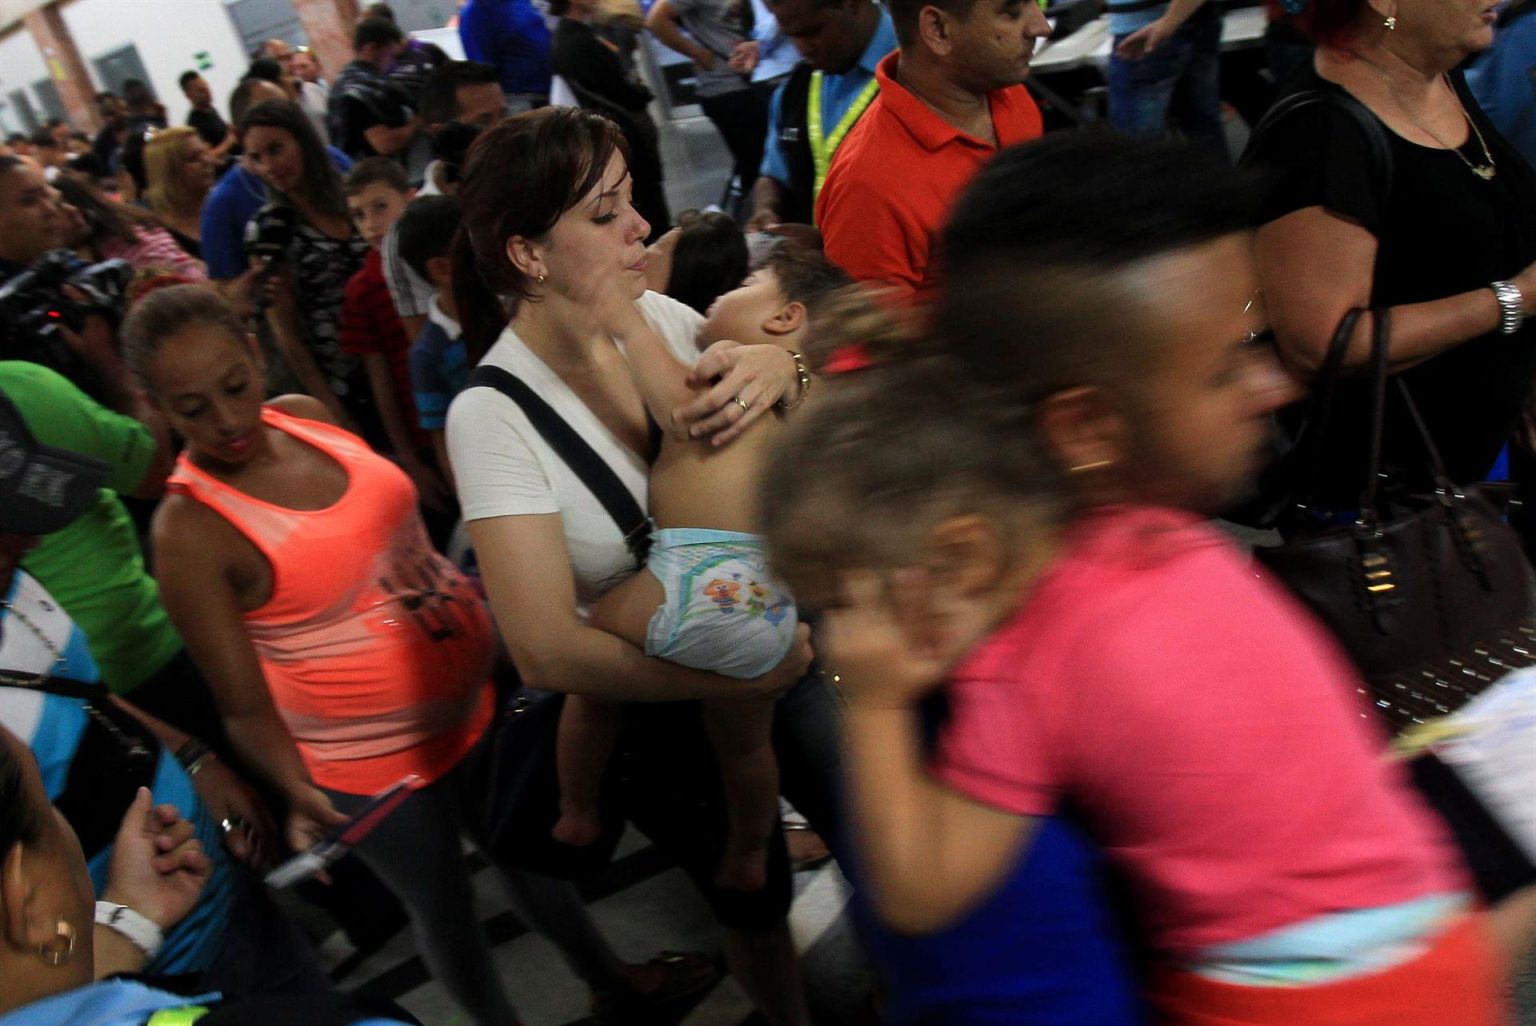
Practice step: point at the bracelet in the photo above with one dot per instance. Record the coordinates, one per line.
(193, 754)
(1511, 306)
(141, 932)
(804, 375)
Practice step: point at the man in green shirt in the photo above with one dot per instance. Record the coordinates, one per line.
(95, 566)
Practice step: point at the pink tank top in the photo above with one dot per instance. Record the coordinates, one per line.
(377, 650)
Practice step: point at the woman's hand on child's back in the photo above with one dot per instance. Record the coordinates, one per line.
(884, 642)
(741, 383)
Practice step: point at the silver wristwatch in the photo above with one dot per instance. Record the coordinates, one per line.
(1511, 306)
(139, 930)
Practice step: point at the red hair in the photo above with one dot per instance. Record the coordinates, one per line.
(1325, 22)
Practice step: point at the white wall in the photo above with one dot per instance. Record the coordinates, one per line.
(21, 64)
(167, 34)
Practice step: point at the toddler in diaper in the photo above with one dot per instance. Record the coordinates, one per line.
(706, 598)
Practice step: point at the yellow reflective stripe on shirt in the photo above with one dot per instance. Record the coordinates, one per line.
(822, 146)
(184, 1016)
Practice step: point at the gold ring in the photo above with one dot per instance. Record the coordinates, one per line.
(738, 402)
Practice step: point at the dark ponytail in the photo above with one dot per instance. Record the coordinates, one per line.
(520, 177)
(482, 313)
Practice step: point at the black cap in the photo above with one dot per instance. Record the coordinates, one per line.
(41, 488)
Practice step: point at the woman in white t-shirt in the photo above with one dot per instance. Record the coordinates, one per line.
(543, 251)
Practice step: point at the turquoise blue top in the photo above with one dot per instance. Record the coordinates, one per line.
(52, 727)
(117, 1003)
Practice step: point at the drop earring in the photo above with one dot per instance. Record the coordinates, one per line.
(62, 948)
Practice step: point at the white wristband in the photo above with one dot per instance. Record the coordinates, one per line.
(144, 934)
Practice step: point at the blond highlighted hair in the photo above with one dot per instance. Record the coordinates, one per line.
(164, 154)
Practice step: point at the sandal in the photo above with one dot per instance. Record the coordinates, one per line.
(686, 973)
(805, 863)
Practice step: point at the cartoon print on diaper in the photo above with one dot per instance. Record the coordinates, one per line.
(726, 594)
(722, 594)
(775, 613)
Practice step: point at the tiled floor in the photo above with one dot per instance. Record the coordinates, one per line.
(642, 906)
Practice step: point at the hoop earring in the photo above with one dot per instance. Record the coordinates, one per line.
(62, 948)
(1390, 23)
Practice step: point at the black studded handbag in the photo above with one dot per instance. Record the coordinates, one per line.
(1430, 594)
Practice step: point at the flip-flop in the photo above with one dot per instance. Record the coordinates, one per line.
(805, 865)
(688, 972)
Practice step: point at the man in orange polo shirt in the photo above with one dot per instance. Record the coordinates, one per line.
(950, 98)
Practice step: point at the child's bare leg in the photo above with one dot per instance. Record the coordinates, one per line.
(588, 729)
(589, 726)
(625, 610)
(741, 732)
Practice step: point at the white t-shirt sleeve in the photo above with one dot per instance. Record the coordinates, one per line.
(496, 470)
(677, 323)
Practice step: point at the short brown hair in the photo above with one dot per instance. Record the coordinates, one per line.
(806, 276)
(377, 171)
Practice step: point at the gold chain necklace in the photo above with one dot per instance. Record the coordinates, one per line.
(133, 746)
(1483, 171)
(33, 679)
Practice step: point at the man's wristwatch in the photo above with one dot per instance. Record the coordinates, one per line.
(139, 930)
(1511, 306)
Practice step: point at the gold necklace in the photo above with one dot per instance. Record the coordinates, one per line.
(133, 746)
(1483, 171)
(32, 679)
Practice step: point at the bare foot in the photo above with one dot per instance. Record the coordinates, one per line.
(578, 826)
(743, 869)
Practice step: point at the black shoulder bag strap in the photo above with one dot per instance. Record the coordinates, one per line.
(596, 474)
(1373, 130)
(116, 756)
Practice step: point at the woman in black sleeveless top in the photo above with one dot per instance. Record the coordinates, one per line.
(1443, 234)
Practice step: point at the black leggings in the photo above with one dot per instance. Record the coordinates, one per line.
(742, 118)
(418, 853)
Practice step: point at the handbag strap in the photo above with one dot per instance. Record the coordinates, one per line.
(1381, 330)
(1320, 407)
(1376, 139)
(1379, 345)
(583, 460)
(1318, 411)
(114, 755)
